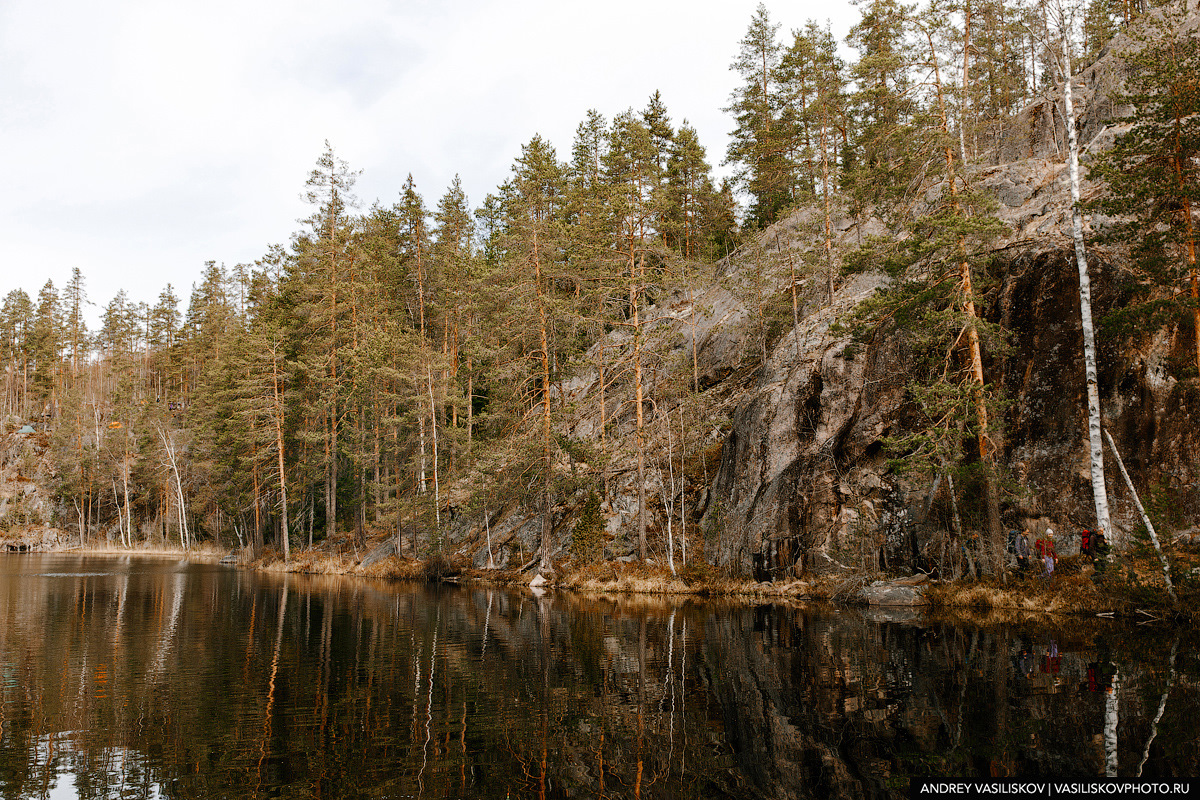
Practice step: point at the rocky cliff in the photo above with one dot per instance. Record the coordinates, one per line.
(27, 511)
(798, 412)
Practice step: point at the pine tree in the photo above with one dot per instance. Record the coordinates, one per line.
(999, 81)
(588, 223)
(265, 376)
(324, 257)
(1152, 177)
(686, 227)
(800, 72)
(758, 145)
(658, 124)
(74, 299)
(1101, 21)
(416, 260)
(16, 328)
(46, 347)
(881, 161)
(164, 328)
(815, 53)
(938, 307)
(630, 171)
(533, 206)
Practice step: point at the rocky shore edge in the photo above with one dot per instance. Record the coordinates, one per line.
(1127, 590)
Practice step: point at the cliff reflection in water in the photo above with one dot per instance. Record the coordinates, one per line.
(128, 678)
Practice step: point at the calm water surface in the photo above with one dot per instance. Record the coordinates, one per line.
(142, 678)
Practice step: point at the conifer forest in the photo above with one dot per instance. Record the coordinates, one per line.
(542, 374)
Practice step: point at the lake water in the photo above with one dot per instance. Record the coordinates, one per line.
(147, 678)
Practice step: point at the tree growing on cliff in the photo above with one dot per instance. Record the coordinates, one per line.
(757, 147)
(938, 305)
(630, 166)
(1152, 177)
(882, 160)
(1061, 58)
(74, 300)
(533, 200)
(16, 327)
(46, 346)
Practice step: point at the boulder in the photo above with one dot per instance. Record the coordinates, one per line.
(388, 548)
(892, 593)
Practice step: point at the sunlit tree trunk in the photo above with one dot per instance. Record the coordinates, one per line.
(639, 401)
(437, 492)
(974, 354)
(830, 265)
(1095, 442)
(277, 412)
(668, 497)
(547, 453)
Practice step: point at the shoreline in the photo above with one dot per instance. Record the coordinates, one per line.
(1072, 594)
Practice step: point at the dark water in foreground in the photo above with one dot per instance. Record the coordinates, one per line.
(148, 678)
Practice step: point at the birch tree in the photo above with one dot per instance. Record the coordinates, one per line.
(1061, 57)
(169, 439)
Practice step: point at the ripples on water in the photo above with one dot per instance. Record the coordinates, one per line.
(128, 678)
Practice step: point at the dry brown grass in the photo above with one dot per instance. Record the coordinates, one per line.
(1072, 594)
(307, 562)
(397, 569)
(630, 578)
(317, 562)
(202, 552)
(1071, 591)
(609, 577)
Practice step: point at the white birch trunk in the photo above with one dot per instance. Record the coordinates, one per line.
(1112, 704)
(487, 526)
(1095, 444)
(1162, 707)
(128, 514)
(1166, 568)
(79, 511)
(120, 515)
(421, 484)
(168, 444)
(682, 490)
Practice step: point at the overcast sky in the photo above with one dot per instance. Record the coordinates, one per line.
(144, 137)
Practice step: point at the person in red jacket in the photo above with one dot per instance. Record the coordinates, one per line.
(1046, 551)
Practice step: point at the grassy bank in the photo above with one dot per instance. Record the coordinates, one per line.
(1132, 587)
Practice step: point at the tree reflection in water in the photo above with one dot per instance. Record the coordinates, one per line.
(153, 678)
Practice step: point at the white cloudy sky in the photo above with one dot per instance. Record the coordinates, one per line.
(144, 137)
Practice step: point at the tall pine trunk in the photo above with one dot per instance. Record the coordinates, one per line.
(547, 453)
(437, 492)
(995, 538)
(277, 416)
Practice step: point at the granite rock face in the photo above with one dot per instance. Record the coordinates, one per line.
(804, 483)
(789, 471)
(27, 509)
